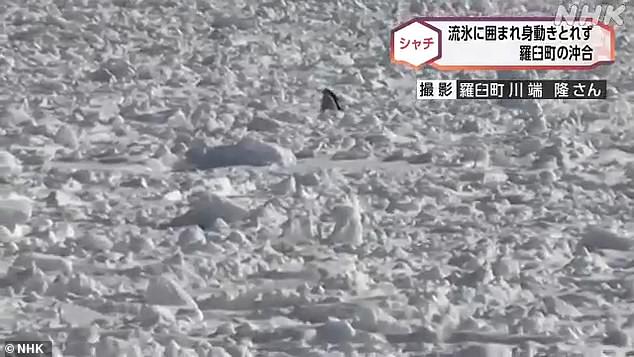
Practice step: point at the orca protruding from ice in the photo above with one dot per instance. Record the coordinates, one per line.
(329, 100)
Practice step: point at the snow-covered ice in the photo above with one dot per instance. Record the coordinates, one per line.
(199, 178)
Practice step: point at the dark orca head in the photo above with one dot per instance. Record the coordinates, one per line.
(329, 100)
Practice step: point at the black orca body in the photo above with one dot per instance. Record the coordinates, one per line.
(329, 100)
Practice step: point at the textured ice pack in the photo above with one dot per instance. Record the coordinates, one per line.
(15, 209)
(247, 152)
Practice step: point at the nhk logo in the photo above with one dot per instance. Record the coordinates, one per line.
(605, 13)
